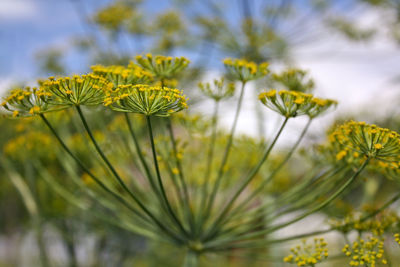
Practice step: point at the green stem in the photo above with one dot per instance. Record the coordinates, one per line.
(272, 175)
(160, 183)
(181, 174)
(191, 259)
(85, 169)
(247, 181)
(317, 208)
(140, 154)
(102, 155)
(262, 244)
(226, 155)
(141, 205)
(210, 157)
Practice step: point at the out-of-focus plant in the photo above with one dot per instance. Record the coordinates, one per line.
(199, 200)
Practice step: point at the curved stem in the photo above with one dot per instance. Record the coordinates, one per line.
(226, 155)
(262, 244)
(137, 200)
(191, 259)
(210, 157)
(140, 154)
(85, 169)
(317, 208)
(274, 172)
(247, 181)
(160, 183)
(180, 174)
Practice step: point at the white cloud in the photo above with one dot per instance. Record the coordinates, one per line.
(17, 9)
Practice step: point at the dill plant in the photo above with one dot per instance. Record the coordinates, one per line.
(205, 200)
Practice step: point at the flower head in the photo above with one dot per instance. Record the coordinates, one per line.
(368, 140)
(294, 80)
(365, 252)
(78, 90)
(120, 75)
(308, 255)
(287, 103)
(28, 102)
(244, 70)
(319, 106)
(217, 90)
(162, 67)
(147, 100)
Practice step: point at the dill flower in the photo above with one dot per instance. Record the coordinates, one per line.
(244, 70)
(161, 66)
(319, 106)
(376, 225)
(28, 102)
(365, 252)
(217, 90)
(308, 255)
(294, 80)
(113, 16)
(78, 90)
(368, 140)
(287, 103)
(119, 75)
(397, 238)
(147, 100)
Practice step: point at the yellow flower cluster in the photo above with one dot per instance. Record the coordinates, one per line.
(29, 144)
(217, 90)
(113, 16)
(397, 238)
(78, 90)
(359, 138)
(292, 104)
(120, 75)
(294, 80)
(244, 70)
(162, 67)
(147, 100)
(365, 252)
(27, 102)
(308, 255)
(377, 225)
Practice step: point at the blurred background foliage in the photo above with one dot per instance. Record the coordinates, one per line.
(39, 227)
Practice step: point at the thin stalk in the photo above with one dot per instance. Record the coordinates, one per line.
(141, 205)
(140, 154)
(226, 155)
(247, 181)
(191, 259)
(85, 169)
(262, 244)
(273, 173)
(210, 157)
(102, 155)
(317, 208)
(160, 183)
(181, 174)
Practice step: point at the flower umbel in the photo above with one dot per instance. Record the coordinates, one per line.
(78, 90)
(28, 102)
(365, 252)
(287, 103)
(217, 90)
(244, 70)
(162, 67)
(308, 255)
(120, 75)
(294, 80)
(369, 140)
(147, 100)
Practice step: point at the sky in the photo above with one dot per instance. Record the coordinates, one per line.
(358, 75)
